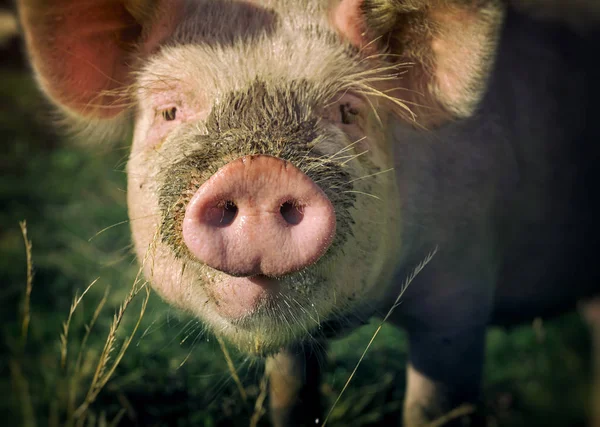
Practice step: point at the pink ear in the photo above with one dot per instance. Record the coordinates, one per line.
(83, 50)
(445, 47)
(347, 17)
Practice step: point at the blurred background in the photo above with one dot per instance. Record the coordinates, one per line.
(72, 197)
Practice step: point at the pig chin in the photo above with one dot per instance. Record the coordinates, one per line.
(247, 301)
(238, 298)
(260, 314)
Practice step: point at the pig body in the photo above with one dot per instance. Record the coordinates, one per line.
(525, 163)
(508, 191)
(293, 162)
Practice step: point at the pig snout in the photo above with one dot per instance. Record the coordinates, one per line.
(259, 215)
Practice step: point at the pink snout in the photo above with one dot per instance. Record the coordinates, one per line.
(259, 215)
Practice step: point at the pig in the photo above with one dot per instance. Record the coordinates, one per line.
(294, 161)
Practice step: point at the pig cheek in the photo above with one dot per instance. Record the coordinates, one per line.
(144, 216)
(376, 228)
(368, 255)
(178, 286)
(142, 189)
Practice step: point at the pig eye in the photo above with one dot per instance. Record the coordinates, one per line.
(348, 114)
(169, 114)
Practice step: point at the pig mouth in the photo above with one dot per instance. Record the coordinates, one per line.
(236, 298)
(246, 301)
(276, 312)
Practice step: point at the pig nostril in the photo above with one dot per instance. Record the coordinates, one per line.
(222, 215)
(229, 212)
(292, 212)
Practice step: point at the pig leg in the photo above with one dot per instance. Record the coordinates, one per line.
(294, 379)
(426, 404)
(443, 375)
(591, 313)
(446, 321)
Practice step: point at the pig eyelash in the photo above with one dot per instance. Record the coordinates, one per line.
(348, 114)
(169, 114)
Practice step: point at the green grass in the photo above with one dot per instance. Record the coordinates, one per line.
(174, 373)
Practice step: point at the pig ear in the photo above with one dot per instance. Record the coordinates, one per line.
(84, 51)
(447, 47)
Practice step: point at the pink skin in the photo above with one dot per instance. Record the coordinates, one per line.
(238, 297)
(346, 18)
(97, 60)
(257, 216)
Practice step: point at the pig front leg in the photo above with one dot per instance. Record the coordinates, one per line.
(426, 399)
(294, 380)
(429, 401)
(446, 322)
